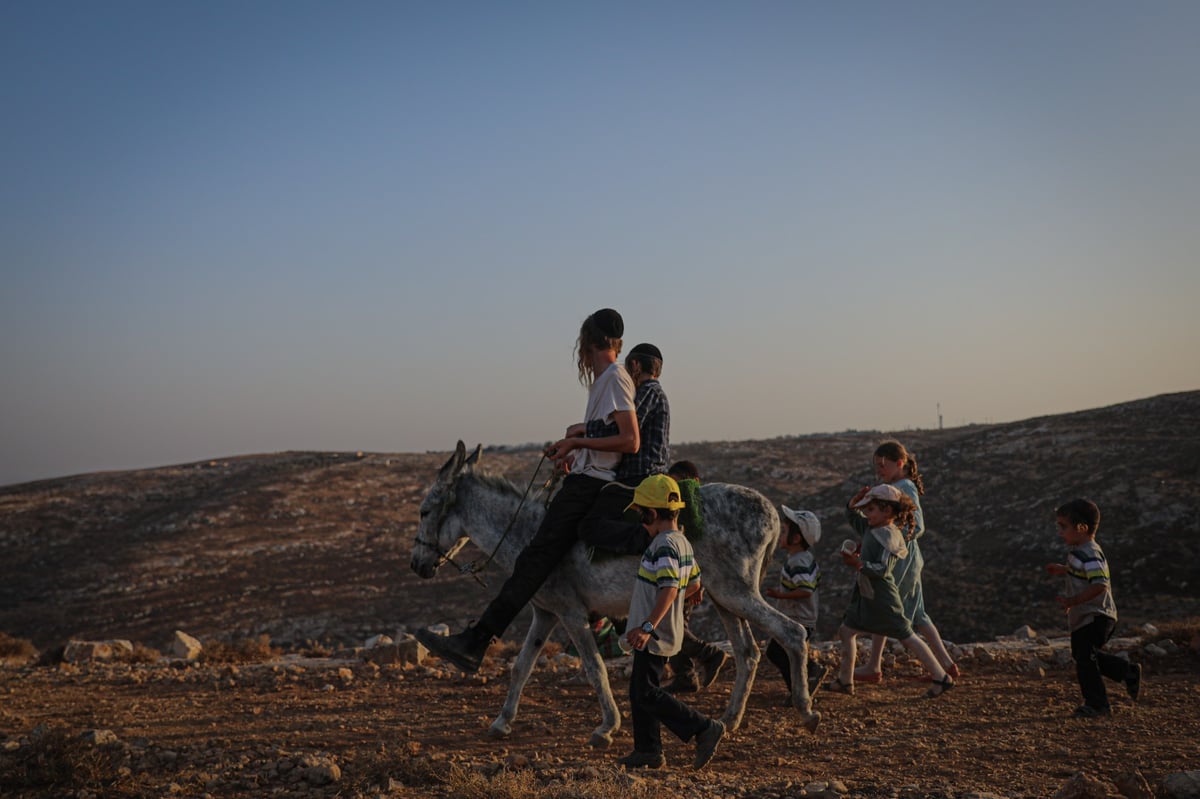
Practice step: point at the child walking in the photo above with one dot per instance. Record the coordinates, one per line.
(875, 605)
(666, 575)
(895, 466)
(796, 594)
(1091, 611)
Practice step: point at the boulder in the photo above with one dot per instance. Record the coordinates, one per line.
(185, 646)
(1183, 785)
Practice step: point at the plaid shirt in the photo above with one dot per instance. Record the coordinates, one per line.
(654, 429)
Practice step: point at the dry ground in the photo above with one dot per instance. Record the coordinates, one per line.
(273, 729)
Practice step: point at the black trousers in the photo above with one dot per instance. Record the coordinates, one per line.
(553, 540)
(1091, 664)
(608, 527)
(653, 707)
(779, 656)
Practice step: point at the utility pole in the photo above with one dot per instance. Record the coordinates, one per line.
(939, 409)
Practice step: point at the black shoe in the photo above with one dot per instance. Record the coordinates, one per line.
(636, 759)
(1133, 683)
(1089, 712)
(706, 742)
(465, 649)
(940, 687)
(685, 682)
(710, 666)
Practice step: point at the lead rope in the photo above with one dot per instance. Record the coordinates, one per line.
(474, 569)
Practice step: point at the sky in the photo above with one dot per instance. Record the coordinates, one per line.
(243, 227)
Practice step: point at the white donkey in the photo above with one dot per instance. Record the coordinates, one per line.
(741, 532)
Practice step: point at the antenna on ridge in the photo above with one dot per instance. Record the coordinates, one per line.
(939, 409)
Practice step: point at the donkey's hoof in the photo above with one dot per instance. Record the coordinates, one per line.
(600, 740)
(499, 729)
(811, 720)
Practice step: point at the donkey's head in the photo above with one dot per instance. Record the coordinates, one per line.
(439, 533)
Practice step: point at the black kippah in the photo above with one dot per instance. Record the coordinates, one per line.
(609, 323)
(647, 349)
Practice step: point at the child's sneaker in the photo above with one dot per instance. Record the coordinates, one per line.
(636, 759)
(1089, 712)
(1133, 683)
(706, 742)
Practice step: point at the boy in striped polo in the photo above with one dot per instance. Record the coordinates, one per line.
(1091, 611)
(666, 576)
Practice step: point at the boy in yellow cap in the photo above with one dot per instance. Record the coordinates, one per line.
(666, 576)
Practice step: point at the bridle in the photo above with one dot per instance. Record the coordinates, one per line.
(473, 568)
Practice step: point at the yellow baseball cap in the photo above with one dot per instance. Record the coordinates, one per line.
(658, 491)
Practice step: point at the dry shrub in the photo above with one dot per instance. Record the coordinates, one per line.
(248, 650)
(15, 648)
(528, 785)
(54, 760)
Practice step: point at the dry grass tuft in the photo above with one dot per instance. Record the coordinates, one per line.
(248, 650)
(54, 761)
(15, 648)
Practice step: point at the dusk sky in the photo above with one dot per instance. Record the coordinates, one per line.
(246, 227)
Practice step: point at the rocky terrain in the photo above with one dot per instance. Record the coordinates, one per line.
(309, 551)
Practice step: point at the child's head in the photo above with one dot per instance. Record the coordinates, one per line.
(600, 331)
(657, 497)
(802, 528)
(644, 361)
(885, 504)
(684, 470)
(894, 463)
(1077, 520)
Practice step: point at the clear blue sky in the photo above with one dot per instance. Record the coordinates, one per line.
(246, 227)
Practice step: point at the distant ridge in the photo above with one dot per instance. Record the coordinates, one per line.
(312, 545)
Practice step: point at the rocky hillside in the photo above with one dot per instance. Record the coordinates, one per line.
(304, 546)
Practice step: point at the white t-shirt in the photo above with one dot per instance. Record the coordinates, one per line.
(611, 392)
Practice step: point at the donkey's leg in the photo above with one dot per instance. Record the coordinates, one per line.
(791, 636)
(539, 631)
(580, 633)
(745, 662)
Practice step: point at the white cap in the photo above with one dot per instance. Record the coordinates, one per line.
(888, 493)
(807, 521)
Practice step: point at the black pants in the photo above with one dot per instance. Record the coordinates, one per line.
(779, 656)
(608, 527)
(1091, 663)
(654, 707)
(553, 540)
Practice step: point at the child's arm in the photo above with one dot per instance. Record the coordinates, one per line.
(694, 594)
(1058, 569)
(856, 519)
(662, 603)
(1086, 595)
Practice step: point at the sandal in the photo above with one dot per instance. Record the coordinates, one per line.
(940, 687)
(839, 687)
(953, 671)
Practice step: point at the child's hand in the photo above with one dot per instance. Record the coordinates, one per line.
(773, 593)
(862, 492)
(1056, 568)
(1064, 602)
(852, 559)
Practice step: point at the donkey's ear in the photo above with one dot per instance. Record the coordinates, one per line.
(455, 463)
(474, 459)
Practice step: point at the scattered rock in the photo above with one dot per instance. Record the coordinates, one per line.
(185, 646)
(86, 651)
(1134, 786)
(1184, 785)
(1025, 633)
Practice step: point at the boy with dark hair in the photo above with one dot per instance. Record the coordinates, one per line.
(1091, 611)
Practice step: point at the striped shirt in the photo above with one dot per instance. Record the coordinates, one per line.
(1086, 566)
(667, 563)
(654, 429)
(800, 571)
